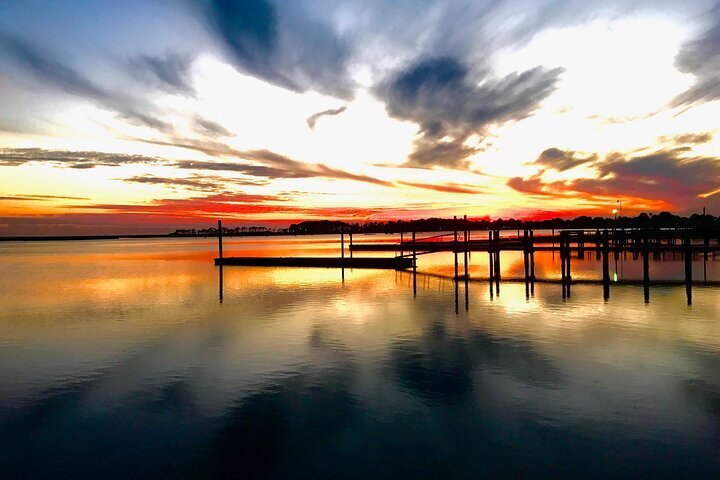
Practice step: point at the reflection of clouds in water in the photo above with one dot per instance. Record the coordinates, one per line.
(441, 366)
(296, 377)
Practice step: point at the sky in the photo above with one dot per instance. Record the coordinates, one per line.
(146, 116)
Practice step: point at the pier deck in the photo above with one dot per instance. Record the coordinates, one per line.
(395, 263)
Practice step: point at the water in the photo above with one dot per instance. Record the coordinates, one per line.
(118, 359)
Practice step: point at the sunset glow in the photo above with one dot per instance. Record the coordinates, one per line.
(131, 118)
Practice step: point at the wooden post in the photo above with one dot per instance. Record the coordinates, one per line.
(351, 245)
(532, 256)
(455, 246)
(646, 266)
(706, 241)
(688, 268)
(568, 275)
(465, 252)
(402, 252)
(342, 243)
(220, 246)
(605, 266)
(526, 263)
(491, 266)
(563, 280)
(526, 258)
(414, 252)
(497, 262)
(465, 238)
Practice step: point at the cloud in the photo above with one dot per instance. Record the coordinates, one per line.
(449, 103)
(267, 164)
(665, 178)
(54, 72)
(688, 138)
(222, 204)
(272, 164)
(281, 44)
(562, 160)
(701, 57)
(39, 198)
(169, 72)
(204, 183)
(11, 157)
(447, 188)
(312, 119)
(208, 127)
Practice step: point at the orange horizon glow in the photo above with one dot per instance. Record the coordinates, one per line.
(534, 131)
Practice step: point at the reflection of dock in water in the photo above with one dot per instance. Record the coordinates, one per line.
(570, 243)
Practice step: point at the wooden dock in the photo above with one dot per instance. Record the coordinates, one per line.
(400, 262)
(395, 263)
(687, 242)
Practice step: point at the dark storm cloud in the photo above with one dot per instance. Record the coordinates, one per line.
(312, 119)
(63, 77)
(446, 99)
(169, 72)
(562, 160)
(701, 57)
(282, 46)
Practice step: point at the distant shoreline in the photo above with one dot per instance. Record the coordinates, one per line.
(63, 238)
(662, 220)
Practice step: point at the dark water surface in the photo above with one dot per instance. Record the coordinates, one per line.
(118, 359)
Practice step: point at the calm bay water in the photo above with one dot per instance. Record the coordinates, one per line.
(117, 358)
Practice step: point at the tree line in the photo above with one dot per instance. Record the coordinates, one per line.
(318, 227)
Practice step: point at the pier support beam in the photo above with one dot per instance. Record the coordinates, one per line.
(526, 264)
(532, 263)
(568, 275)
(491, 262)
(455, 247)
(688, 268)
(414, 252)
(606, 265)
(220, 253)
(497, 262)
(466, 234)
(646, 266)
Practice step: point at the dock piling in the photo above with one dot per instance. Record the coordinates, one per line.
(491, 266)
(414, 263)
(455, 247)
(532, 263)
(646, 267)
(497, 262)
(688, 268)
(220, 245)
(606, 266)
